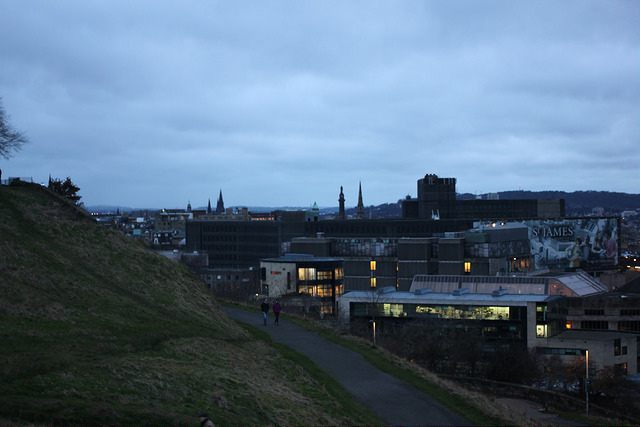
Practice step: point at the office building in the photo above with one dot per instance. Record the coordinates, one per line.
(304, 281)
(437, 200)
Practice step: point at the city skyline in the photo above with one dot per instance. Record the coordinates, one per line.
(277, 104)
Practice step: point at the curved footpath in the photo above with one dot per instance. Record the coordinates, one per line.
(395, 401)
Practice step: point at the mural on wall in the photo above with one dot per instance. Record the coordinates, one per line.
(586, 243)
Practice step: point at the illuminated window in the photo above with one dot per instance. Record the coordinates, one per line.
(373, 265)
(339, 273)
(373, 282)
(393, 310)
(568, 324)
(467, 267)
(324, 291)
(502, 313)
(307, 289)
(541, 331)
(324, 275)
(307, 273)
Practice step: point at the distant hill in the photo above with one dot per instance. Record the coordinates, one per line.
(97, 330)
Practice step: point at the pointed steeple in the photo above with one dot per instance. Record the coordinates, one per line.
(189, 206)
(341, 214)
(220, 205)
(360, 213)
(209, 208)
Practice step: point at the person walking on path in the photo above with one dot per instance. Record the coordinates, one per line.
(265, 310)
(276, 311)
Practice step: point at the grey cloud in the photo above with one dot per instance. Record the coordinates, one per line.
(281, 102)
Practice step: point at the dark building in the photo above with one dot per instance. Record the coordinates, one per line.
(486, 249)
(236, 244)
(437, 200)
(237, 284)
(241, 244)
(393, 262)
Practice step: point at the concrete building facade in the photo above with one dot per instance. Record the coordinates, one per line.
(318, 279)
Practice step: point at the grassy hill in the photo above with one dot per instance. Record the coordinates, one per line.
(95, 329)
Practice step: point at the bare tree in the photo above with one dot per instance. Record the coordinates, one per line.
(11, 140)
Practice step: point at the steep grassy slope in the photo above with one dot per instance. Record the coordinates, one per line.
(95, 329)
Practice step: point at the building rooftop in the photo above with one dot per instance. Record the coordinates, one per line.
(578, 283)
(581, 283)
(302, 258)
(461, 298)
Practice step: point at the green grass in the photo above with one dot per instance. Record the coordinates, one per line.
(97, 330)
(591, 420)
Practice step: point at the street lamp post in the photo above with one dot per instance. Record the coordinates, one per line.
(586, 382)
(373, 322)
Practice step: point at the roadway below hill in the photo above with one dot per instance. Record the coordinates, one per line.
(395, 401)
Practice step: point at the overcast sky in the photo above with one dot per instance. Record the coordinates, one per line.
(279, 103)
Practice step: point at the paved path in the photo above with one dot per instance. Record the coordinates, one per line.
(395, 401)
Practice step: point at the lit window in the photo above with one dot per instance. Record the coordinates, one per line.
(307, 273)
(324, 275)
(568, 324)
(541, 331)
(373, 265)
(393, 310)
(467, 267)
(373, 282)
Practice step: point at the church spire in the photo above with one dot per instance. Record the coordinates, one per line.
(360, 213)
(220, 205)
(209, 208)
(341, 201)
